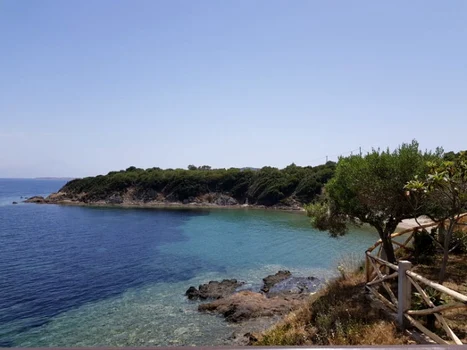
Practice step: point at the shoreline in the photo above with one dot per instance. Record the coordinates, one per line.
(165, 205)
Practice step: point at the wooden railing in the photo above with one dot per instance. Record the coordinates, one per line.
(393, 285)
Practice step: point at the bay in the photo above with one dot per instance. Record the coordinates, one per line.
(82, 276)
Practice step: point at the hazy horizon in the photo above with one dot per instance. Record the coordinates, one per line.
(92, 87)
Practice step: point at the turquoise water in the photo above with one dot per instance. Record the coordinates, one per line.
(74, 276)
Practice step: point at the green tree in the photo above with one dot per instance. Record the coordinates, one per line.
(442, 195)
(204, 167)
(370, 189)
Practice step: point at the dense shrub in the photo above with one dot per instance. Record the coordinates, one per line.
(424, 246)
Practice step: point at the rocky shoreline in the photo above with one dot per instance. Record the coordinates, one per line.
(220, 201)
(280, 294)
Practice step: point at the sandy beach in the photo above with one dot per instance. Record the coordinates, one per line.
(409, 223)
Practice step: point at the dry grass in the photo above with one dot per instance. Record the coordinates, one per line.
(456, 279)
(456, 271)
(339, 315)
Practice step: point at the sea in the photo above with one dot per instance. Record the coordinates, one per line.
(92, 276)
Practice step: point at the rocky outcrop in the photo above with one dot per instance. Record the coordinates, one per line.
(213, 290)
(295, 287)
(245, 305)
(279, 294)
(271, 280)
(36, 199)
(115, 199)
(59, 196)
(132, 197)
(14, 203)
(224, 200)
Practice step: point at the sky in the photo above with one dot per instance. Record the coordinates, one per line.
(87, 87)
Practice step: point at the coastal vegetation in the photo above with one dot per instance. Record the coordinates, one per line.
(442, 195)
(267, 186)
(340, 314)
(382, 189)
(370, 189)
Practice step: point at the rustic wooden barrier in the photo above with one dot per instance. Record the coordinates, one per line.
(393, 285)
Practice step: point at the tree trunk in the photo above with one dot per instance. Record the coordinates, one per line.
(447, 241)
(388, 248)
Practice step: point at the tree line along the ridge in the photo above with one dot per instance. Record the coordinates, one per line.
(266, 186)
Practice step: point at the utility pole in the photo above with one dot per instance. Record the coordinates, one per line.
(326, 159)
(360, 148)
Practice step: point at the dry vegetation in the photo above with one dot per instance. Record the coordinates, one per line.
(456, 273)
(338, 315)
(456, 279)
(341, 314)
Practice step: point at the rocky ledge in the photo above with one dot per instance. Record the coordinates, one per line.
(213, 290)
(54, 198)
(280, 294)
(132, 198)
(246, 304)
(36, 199)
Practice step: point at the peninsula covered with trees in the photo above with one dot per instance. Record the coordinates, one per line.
(288, 188)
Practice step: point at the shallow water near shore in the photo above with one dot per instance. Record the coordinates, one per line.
(82, 276)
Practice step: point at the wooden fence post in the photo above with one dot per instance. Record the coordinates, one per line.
(404, 292)
(367, 267)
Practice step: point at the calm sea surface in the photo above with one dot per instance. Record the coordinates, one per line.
(73, 276)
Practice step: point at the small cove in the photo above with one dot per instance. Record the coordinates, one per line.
(81, 276)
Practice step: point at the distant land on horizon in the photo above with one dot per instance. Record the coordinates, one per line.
(54, 178)
(38, 178)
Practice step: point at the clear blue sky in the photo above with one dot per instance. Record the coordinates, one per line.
(92, 86)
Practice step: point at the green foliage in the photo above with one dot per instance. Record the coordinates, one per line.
(450, 156)
(266, 186)
(321, 218)
(418, 303)
(442, 195)
(370, 189)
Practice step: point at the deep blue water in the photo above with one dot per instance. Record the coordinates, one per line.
(66, 271)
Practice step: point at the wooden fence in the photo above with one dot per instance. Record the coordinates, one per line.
(412, 296)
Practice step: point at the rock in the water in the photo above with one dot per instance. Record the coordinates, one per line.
(192, 293)
(280, 294)
(36, 199)
(245, 305)
(14, 203)
(295, 286)
(180, 331)
(213, 289)
(271, 280)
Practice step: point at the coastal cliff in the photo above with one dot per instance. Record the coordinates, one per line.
(287, 188)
